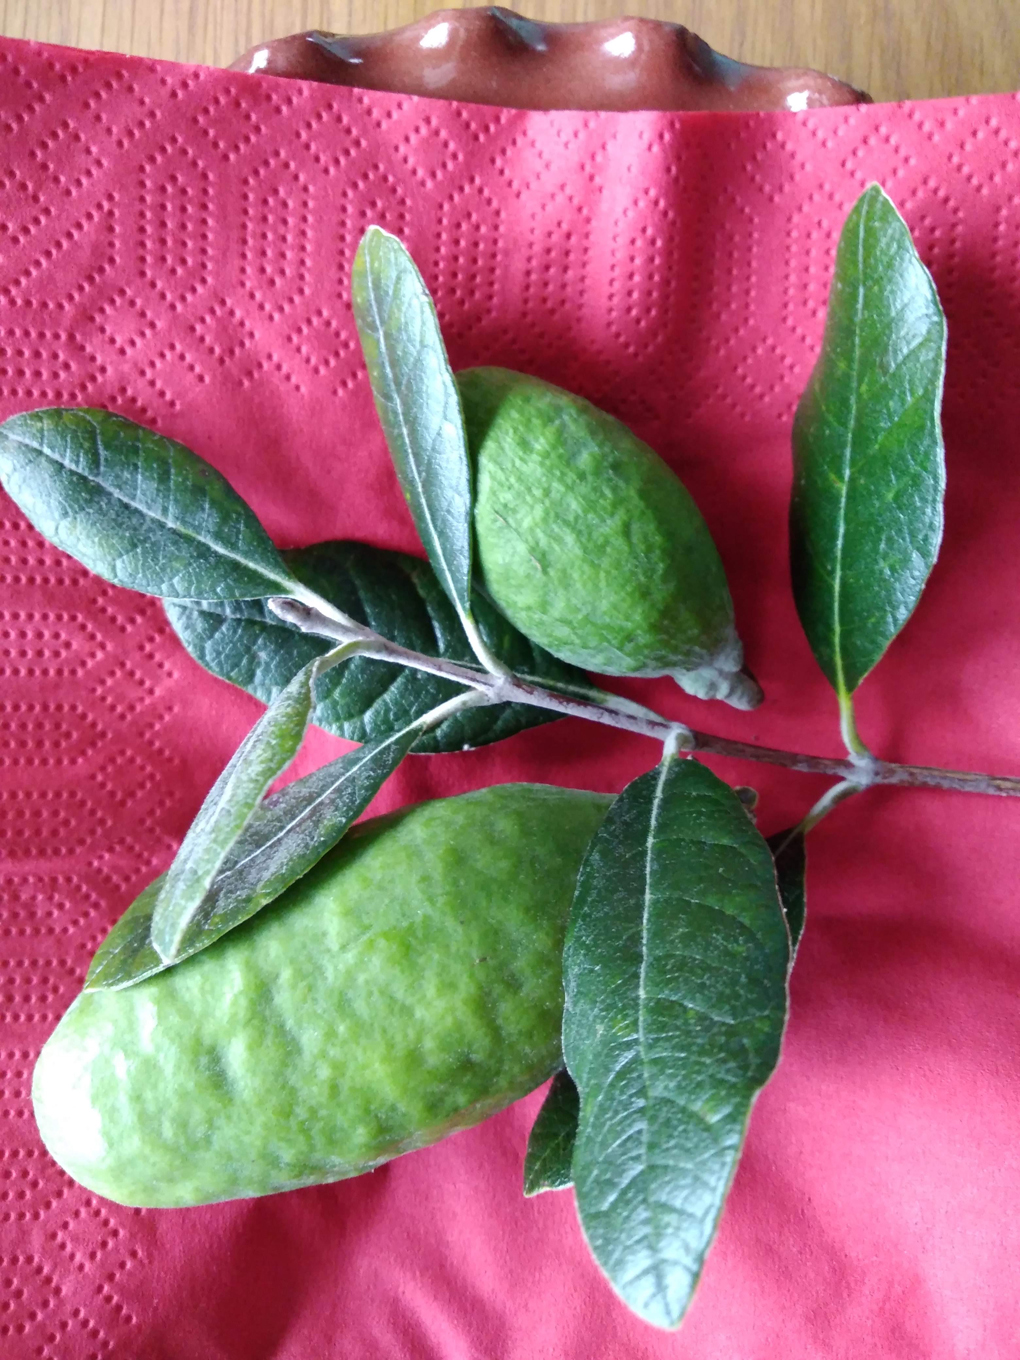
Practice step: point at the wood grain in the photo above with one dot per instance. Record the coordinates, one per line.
(896, 49)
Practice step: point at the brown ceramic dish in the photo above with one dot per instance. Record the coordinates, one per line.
(494, 56)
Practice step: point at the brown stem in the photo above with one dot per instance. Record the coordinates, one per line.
(863, 771)
(871, 772)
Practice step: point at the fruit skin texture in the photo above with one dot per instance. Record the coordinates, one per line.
(407, 987)
(591, 545)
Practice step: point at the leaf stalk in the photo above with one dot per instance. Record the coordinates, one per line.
(830, 799)
(848, 729)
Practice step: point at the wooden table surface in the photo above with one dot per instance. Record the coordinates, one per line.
(896, 49)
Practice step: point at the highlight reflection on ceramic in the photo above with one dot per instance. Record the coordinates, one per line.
(494, 56)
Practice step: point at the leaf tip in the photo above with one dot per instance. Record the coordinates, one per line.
(375, 238)
(372, 232)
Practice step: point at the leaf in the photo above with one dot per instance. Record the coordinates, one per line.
(291, 832)
(789, 850)
(287, 835)
(869, 467)
(127, 954)
(264, 754)
(675, 973)
(136, 508)
(400, 598)
(418, 404)
(551, 1145)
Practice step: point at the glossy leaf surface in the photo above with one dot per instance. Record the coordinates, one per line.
(789, 851)
(551, 1144)
(136, 508)
(869, 467)
(264, 754)
(288, 833)
(418, 404)
(675, 978)
(360, 700)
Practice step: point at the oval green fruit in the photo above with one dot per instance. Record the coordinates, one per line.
(407, 987)
(591, 545)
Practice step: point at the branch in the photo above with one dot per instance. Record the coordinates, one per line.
(611, 710)
(629, 717)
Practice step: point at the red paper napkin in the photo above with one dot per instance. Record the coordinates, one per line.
(175, 244)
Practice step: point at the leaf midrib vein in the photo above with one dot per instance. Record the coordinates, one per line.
(643, 984)
(846, 461)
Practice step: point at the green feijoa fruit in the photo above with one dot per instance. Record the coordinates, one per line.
(406, 987)
(591, 545)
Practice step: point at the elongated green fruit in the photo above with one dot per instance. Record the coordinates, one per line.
(591, 545)
(407, 987)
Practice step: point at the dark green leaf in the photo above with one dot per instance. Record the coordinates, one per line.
(551, 1145)
(264, 754)
(790, 854)
(675, 977)
(418, 404)
(399, 597)
(288, 834)
(869, 468)
(136, 508)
